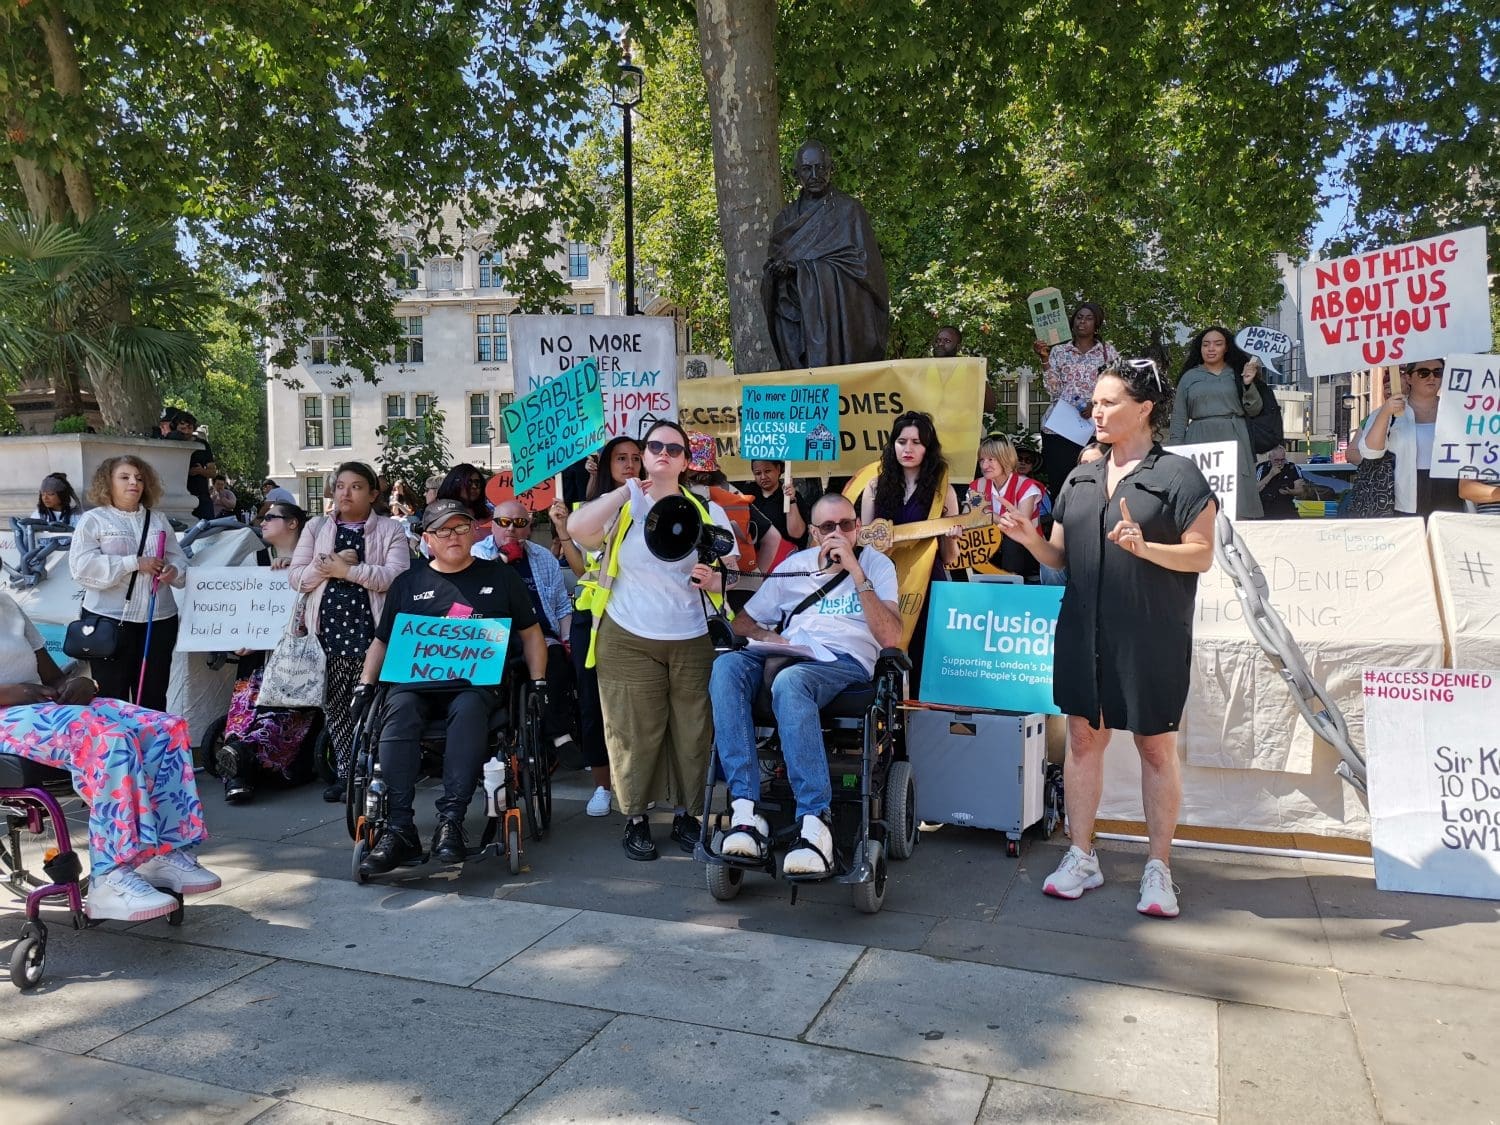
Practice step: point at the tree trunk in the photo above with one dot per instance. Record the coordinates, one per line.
(737, 43)
(128, 403)
(67, 80)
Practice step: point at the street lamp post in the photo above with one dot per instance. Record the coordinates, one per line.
(490, 464)
(625, 94)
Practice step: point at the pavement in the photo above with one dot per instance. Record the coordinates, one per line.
(593, 988)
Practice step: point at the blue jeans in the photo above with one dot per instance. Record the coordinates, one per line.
(797, 694)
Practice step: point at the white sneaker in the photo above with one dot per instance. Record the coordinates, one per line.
(742, 844)
(180, 872)
(124, 896)
(1078, 872)
(599, 803)
(1158, 894)
(805, 861)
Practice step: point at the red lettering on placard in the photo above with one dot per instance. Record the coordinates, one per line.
(1380, 298)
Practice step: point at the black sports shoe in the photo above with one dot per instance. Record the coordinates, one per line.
(638, 843)
(449, 843)
(686, 830)
(395, 847)
(336, 792)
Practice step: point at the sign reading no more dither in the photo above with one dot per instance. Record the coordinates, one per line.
(1466, 439)
(636, 357)
(560, 422)
(789, 423)
(434, 650)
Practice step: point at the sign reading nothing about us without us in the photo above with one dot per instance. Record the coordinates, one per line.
(560, 422)
(789, 423)
(434, 650)
(990, 646)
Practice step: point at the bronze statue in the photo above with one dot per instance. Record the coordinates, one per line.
(824, 287)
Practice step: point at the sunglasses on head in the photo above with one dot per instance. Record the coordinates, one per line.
(670, 448)
(512, 521)
(1144, 366)
(828, 527)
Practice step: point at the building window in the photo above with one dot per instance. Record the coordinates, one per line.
(409, 350)
(422, 405)
(323, 347)
(313, 486)
(479, 419)
(491, 338)
(409, 269)
(395, 407)
(489, 270)
(312, 422)
(502, 400)
(442, 274)
(338, 413)
(584, 310)
(578, 259)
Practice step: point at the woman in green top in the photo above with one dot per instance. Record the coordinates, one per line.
(1215, 394)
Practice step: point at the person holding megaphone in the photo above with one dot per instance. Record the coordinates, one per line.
(659, 583)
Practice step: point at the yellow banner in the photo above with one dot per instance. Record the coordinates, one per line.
(871, 396)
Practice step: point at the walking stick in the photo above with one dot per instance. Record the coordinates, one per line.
(161, 553)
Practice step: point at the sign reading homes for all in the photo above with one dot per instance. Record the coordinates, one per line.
(1466, 440)
(560, 422)
(870, 398)
(797, 423)
(1218, 461)
(990, 646)
(636, 358)
(1418, 300)
(432, 650)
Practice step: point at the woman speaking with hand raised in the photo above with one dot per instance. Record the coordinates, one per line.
(1134, 530)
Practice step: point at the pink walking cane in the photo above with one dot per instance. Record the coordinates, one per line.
(161, 553)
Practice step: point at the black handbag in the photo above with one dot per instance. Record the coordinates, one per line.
(1373, 495)
(94, 636)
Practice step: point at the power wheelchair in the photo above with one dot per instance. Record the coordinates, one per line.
(874, 806)
(517, 776)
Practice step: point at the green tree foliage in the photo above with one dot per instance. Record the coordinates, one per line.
(413, 449)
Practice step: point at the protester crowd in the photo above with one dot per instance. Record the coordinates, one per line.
(620, 641)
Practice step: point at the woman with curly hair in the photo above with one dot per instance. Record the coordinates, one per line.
(1216, 393)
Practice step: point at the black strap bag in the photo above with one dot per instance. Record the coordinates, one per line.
(94, 636)
(1267, 429)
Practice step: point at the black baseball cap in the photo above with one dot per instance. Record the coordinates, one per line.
(440, 512)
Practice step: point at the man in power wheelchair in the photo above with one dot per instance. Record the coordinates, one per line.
(836, 614)
(453, 584)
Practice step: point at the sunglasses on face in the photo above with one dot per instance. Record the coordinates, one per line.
(1427, 372)
(512, 521)
(670, 448)
(269, 516)
(451, 530)
(828, 527)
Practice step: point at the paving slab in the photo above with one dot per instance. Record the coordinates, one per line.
(1417, 937)
(1290, 1066)
(44, 1087)
(1432, 1050)
(1274, 984)
(641, 1069)
(1010, 1102)
(701, 974)
(357, 1043)
(1134, 1044)
(101, 984)
(295, 1113)
(450, 939)
(1231, 907)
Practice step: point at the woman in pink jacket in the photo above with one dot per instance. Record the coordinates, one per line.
(345, 562)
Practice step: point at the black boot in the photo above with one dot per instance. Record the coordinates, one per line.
(686, 830)
(638, 843)
(233, 761)
(449, 843)
(395, 847)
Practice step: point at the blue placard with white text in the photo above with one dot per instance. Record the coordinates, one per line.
(990, 646)
(790, 423)
(434, 650)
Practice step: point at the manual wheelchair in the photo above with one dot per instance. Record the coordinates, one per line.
(517, 777)
(874, 807)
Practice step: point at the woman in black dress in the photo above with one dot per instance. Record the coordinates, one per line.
(1134, 530)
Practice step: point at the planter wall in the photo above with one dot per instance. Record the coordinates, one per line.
(26, 459)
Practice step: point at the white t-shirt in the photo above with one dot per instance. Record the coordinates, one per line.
(652, 598)
(1426, 431)
(836, 623)
(19, 641)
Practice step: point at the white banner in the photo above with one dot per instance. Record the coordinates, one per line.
(226, 608)
(1466, 441)
(1434, 780)
(1418, 300)
(637, 357)
(1219, 462)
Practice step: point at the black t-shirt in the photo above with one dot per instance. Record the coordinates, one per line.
(770, 511)
(490, 589)
(200, 486)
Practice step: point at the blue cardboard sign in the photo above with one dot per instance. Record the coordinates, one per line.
(790, 423)
(560, 422)
(433, 650)
(990, 646)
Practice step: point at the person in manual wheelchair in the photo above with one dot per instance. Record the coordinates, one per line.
(842, 605)
(452, 584)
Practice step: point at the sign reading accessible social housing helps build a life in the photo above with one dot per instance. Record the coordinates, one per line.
(990, 646)
(1466, 439)
(636, 358)
(560, 422)
(797, 423)
(227, 608)
(433, 650)
(1418, 300)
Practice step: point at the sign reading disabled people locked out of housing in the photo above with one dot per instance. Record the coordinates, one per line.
(990, 645)
(1466, 439)
(1434, 767)
(560, 422)
(434, 650)
(789, 423)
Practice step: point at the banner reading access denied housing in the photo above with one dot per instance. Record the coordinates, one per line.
(871, 397)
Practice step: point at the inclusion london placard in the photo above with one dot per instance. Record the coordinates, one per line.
(989, 646)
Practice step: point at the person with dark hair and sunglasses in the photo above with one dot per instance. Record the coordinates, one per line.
(1403, 428)
(651, 644)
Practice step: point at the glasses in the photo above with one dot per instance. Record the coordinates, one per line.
(828, 527)
(1427, 372)
(1140, 366)
(512, 521)
(451, 530)
(670, 448)
(269, 516)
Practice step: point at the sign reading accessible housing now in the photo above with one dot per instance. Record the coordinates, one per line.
(989, 645)
(434, 650)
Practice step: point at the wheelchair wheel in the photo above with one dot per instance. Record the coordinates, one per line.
(324, 757)
(536, 779)
(208, 749)
(724, 882)
(901, 810)
(361, 849)
(28, 962)
(870, 897)
(513, 849)
(354, 797)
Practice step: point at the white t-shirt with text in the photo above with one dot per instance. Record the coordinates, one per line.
(837, 622)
